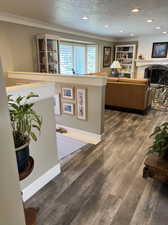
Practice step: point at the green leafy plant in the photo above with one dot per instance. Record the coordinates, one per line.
(160, 144)
(24, 120)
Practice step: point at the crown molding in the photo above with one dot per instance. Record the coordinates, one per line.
(11, 18)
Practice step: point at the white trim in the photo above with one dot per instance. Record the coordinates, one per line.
(29, 191)
(81, 135)
(44, 90)
(67, 79)
(11, 18)
(146, 62)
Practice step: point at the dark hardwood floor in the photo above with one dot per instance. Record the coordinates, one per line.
(103, 184)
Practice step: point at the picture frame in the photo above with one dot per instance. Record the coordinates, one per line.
(81, 103)
(106, 56)
(68, 108)
(67, 93)
(159, 50)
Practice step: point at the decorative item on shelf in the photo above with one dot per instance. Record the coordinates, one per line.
(61, 130)
(115, 66)
(67, 93)
(81, 103)
(106, 56)
(68, 108)
(159, 50)
(160, 144)
(24, 122)
(140, 57)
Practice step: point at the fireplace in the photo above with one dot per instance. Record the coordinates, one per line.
(157, 74)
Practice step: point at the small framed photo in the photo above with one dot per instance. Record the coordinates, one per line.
(68, 108)
(160, 50)
(107, 57)
(81, 103)
(68, 93)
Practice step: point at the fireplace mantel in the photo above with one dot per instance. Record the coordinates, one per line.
(147, 62)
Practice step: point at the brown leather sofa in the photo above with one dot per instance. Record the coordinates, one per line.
(128, 93)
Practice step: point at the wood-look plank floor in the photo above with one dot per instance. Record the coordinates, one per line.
(103, 184)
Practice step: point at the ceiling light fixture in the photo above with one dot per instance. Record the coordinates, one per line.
(121, 31)
(132, 35)
(136, 10)
(157, 28)
(149, 21)
(164, 32)
(84, 18)
(106, 26)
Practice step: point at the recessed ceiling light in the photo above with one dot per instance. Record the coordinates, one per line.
(149, 21)
(157, 28)
(121, 31)
(164, 32)
(106, 26)
(84, 18)
(132, 35)
(135, 10)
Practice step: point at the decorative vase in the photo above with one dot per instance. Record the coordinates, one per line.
(22, 156)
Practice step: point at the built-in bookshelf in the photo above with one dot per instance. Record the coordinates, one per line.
(48, 53)
(125, 54)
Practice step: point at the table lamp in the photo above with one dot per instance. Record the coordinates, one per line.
(115, 66)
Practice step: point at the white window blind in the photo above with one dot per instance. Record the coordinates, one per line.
(91, 59)
(66, 59)
(78, 57)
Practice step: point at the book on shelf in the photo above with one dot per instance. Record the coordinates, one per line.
(51, 45)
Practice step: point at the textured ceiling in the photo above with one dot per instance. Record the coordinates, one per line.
(116, 13)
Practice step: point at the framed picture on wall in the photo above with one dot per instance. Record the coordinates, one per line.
(68, 108)
(106, 56)
(81, 103)
(67, 93)
(160, 50)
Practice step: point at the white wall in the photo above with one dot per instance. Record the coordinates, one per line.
(145, 44)
(11, 208)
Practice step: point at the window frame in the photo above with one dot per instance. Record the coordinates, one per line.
(86, 45)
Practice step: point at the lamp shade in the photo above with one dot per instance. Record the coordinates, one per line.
(115, 65)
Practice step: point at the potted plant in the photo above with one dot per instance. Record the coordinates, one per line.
(160, 144)
(24, 122)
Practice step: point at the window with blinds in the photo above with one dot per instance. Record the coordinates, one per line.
(91, 59)
(78, 59)
(66, 59)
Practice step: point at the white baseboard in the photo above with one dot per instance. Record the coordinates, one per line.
(29, 191)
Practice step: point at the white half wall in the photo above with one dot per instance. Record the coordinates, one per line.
(44, 151)
(11, 207)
